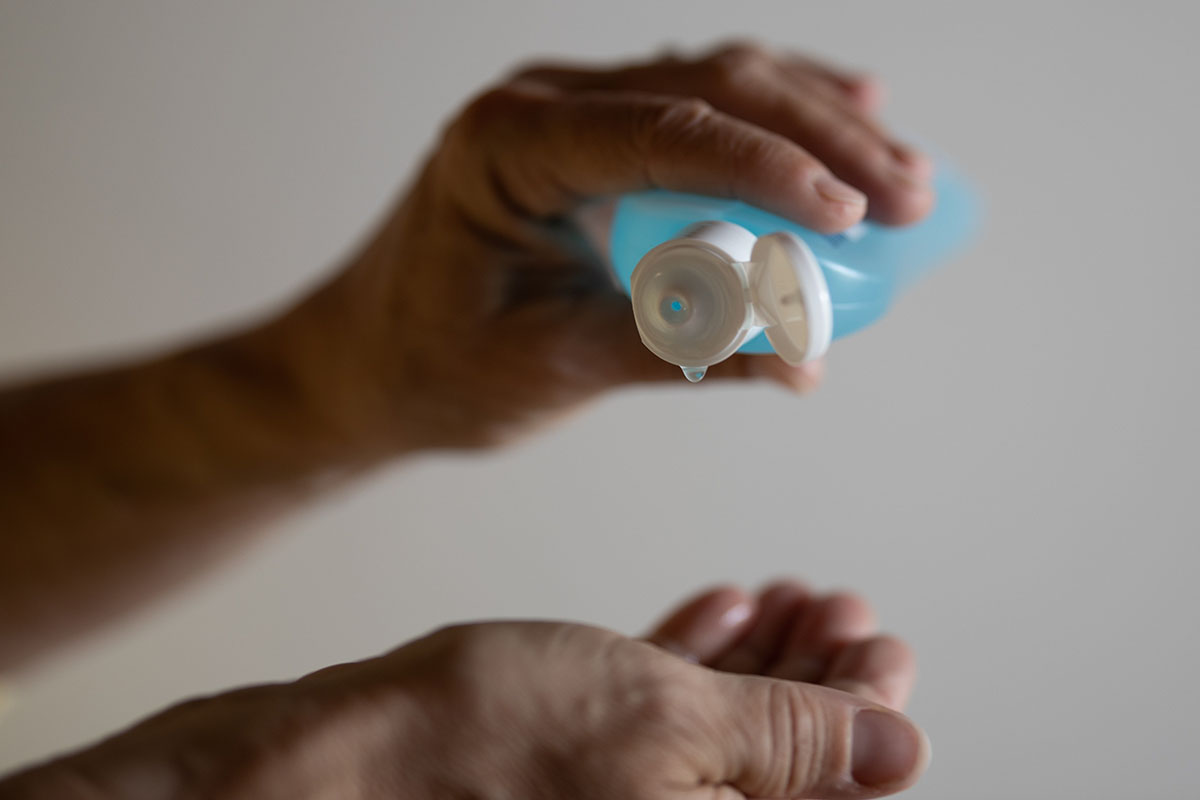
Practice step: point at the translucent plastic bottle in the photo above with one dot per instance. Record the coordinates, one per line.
(710, 277)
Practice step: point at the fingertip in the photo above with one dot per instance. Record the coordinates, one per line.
(716, 602)
(883, 653)
(907, 201)
(782, 589)
(847, 615)
(840, 205)
(830, 623)
(803, 379)
(881, 669)
(705, 625)
(800, 379)
(920, 165)
(865, 91)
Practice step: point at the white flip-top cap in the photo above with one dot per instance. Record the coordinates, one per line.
(699, 297)
(690, 295)
(791, 297)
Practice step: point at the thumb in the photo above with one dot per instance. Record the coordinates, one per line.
(802, 379)
(785, 739)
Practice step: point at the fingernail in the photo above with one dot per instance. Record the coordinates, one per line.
(886, 749)
(912, 160)
(835, 191)
(736, 614)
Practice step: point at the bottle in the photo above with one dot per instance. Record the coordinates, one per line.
(709, 277)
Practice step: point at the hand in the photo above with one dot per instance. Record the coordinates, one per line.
(476, 313)
(787, 632)
(549, 710)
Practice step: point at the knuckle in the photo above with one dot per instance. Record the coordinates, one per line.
(739, 53)
(895, 646)
(532, 70)
(757, 157)
(670, 121)
(739, 64)
(482, 116)
(669, 55)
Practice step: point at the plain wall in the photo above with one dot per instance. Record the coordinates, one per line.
(1006, 465)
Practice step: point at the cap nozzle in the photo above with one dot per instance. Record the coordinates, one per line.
(699, 297)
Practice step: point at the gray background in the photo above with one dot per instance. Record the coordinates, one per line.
(1006, 465)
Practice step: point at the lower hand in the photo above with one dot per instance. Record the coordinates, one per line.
(789, 695)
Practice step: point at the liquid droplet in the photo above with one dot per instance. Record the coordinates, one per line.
(694, 374)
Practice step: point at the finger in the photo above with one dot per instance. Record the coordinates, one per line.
(863, 91)
(746, 82)
(829, 624)
(535, 153)
(894, 176)
(907, 157)
(705, 626)
(882, 669)
(603, 336)
(782, 739)
(778, 605)
(802, 379)
(855, 94)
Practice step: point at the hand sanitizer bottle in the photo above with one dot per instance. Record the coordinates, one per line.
(709, 277)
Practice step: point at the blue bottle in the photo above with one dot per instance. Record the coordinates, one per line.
(709, 277)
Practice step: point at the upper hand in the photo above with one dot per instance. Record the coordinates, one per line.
(475, 312)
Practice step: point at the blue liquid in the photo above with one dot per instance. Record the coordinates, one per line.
(865, 266)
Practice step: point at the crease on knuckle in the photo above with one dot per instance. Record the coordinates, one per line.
(474, 166)
(666, 127)
(678, 118)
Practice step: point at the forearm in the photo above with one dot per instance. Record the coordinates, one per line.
(55, 781)
(334, 733)
(117, 483)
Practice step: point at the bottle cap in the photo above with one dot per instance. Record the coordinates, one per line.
(690, 296)
(699, 297)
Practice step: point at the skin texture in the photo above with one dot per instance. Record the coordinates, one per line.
(473, 316)
(547, 710)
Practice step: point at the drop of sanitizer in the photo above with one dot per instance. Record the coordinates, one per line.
(694, 374)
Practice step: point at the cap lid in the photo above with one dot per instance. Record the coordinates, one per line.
(689, 296)
(791, 297)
